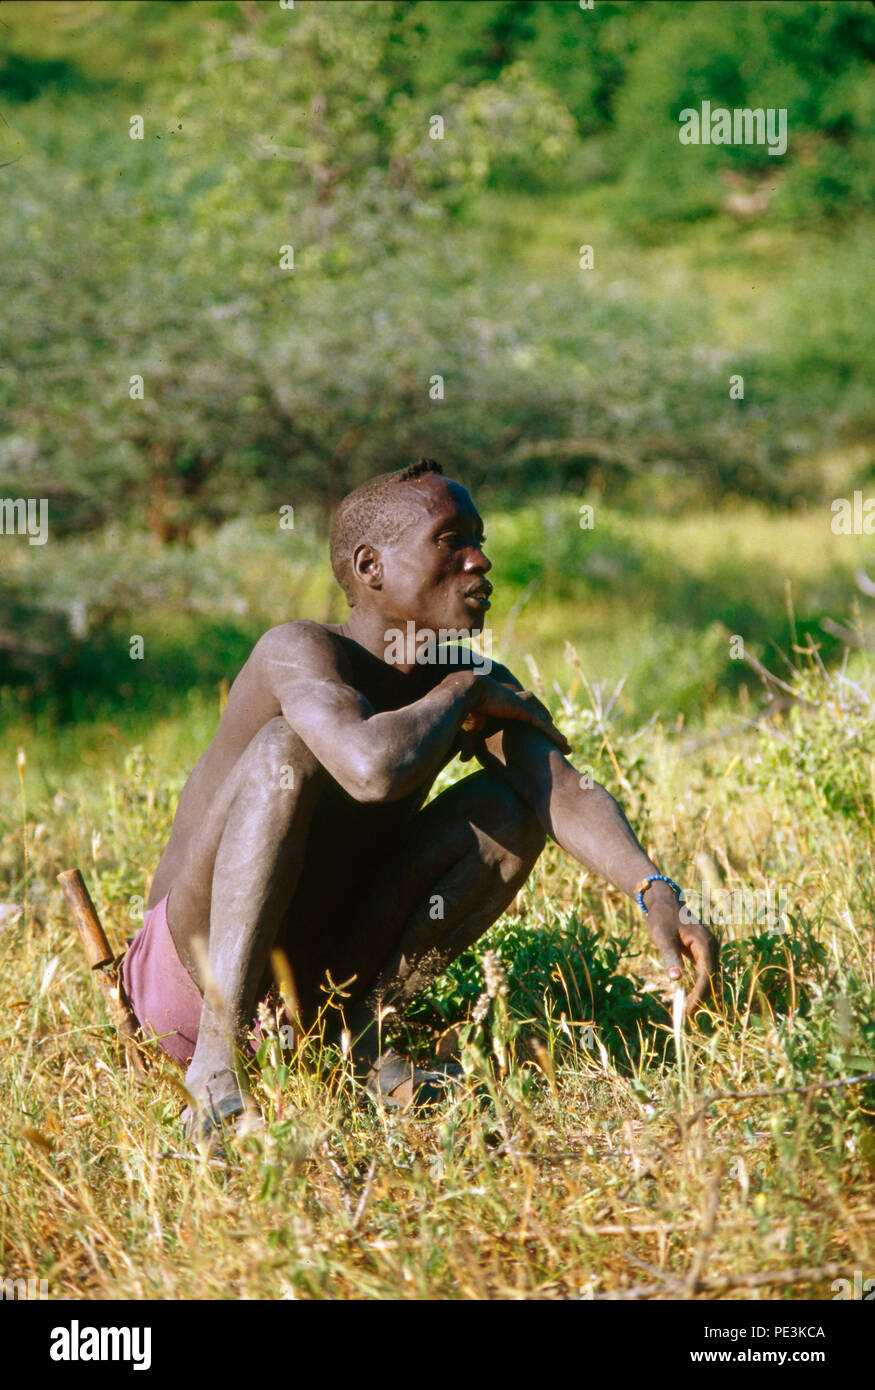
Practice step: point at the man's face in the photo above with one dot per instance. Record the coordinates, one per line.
(434, 571)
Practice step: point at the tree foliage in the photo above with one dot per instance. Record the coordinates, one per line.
(311, 135)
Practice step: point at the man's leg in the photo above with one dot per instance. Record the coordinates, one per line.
(462, 861)
(457, 866)
(228, 904)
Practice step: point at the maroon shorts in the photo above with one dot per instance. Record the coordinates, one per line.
(163, 995)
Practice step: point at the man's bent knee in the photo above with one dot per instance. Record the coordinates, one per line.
(284, 755)
(510, 821)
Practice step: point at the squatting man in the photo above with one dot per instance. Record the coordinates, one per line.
(303, 826)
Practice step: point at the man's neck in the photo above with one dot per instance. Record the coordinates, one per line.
(369, 629)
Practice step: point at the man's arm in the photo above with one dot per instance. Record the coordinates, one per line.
(588, 824)
(374, 756)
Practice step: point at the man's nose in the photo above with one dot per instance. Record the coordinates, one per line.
(477, 559)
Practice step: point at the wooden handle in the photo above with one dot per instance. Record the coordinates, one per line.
(97, 948)
(100, 955)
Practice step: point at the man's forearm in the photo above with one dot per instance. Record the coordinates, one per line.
(585, 821)
(590, 825)
(409, 745)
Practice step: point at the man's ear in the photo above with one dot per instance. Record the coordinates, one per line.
(367, 566)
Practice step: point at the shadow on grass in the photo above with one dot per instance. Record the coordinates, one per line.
(24, 78)
(103, 679)
(566, 978)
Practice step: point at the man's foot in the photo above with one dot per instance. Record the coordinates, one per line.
(201, 1124)
(222, 1111)
(393, 1080)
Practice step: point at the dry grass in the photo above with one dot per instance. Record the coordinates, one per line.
(583, 1157)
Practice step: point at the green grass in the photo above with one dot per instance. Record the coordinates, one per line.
(735, 277)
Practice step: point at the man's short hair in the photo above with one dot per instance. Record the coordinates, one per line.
(371, 514)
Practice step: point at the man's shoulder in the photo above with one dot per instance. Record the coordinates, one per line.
(302, 643)
(297, 632)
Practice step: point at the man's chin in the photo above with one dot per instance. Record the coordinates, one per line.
(469, 620)
(466, 625)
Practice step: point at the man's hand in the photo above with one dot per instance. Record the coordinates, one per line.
(492, 700)
(675, 937)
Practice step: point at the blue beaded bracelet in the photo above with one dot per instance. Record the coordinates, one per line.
(656, 878)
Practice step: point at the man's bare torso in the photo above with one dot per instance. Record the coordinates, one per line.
(252, 704)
